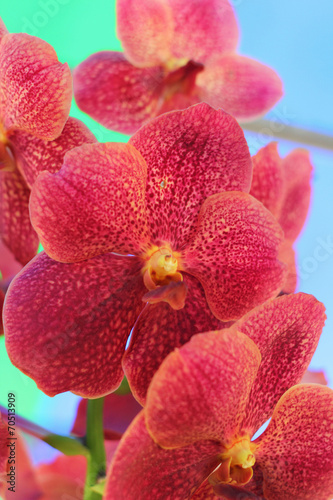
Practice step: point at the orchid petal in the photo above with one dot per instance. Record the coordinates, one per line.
(233, 253)
(159, 330)
(115, 93)
(205, 492)
(240, 85)
(34, 155)
(286, 331)
(66, 325)
(268, 181)
(295, 451)
(201, 390)
(94, 204)
(190, 155)
(145, 30)
(314, 377)
(35, 88)
(3, 29)
(16, 230)
(287, 256)
(298, 171)
(203, 28)
(156, 473)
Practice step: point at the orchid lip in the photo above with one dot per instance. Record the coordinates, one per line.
(161, 268)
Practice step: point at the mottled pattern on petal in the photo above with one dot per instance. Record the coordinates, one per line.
(240, 85)
(203, 28)
(16, 230)
(145, 30)
(313, 377)
(298, 172)
(268, 182)
(34, 155)
(159, 330)
(116, 94)
(94, 204)
(35, 88)
(190, 154)
(201, 390)
(233, 253)
(154, 473)
(286, 331)
(118, 412)
(66, 325)
(3, 29)
(296, 450)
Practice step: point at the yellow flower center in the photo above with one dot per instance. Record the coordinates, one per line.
(161, 268)
(236, 463)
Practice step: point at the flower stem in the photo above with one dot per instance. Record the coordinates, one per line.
(96, 467)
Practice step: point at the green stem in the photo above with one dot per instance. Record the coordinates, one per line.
(95, 443)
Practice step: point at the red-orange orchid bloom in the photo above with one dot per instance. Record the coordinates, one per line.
(177, 53)
(35, 132)
(284, 187)
(175, 198)
(207, 400)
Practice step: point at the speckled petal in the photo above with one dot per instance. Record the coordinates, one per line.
(200, 390)
(205, 492)
(145, 30)
(93, 205)
(233, 253)
(3, 29)
(34, 155)
(286, 331)
(203, 28)
(66, 325)
(295, 451)
(298, 172)
(230, 492)
(159, 330)
(118, 412)
(190, 154)
(116, 94)
(268, 182)
(240, 85)
(35, 88)
(16, 230)
(156, 473)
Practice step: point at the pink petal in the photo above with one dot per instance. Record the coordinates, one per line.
(94, 204)
(2, 298)
(202, 29)
(118, 412)
(34, 155)
(3, 446)
(205, 492)
(36, 89)
(287, 256)
(286, 331)
(67, 325)
(190, 154)
(145, 30)
(240, 85)
(233, 253)
(16, 230)
(64, 478)
(201, 390)
(8, 265)
(115, 93)
(298, 172)
(268, 182)
(231, 492)
(313, 377)
(155, 473)
(295, 451)
(3, 29)
(159, 330)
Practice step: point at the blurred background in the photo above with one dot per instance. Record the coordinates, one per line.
(296, 39)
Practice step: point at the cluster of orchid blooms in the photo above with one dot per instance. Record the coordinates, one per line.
(168, 259)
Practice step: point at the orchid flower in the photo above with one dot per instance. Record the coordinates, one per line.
(177, 53)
